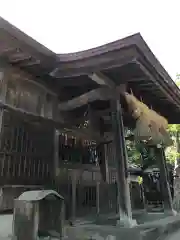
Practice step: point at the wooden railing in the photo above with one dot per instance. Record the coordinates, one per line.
(86, 194)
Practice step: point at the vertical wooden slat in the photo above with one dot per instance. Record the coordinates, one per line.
(12, 164)
(56, 151)
(42, 169)
(19, 167)
(25, 166)
(2, 165)
(34, 168)
(74, 187)
(38, 167)
(98, 197)
(29, 166)
(1, 132)
(8, 166)
(47, 170)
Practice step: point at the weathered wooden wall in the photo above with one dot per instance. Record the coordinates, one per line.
(24, 92)
(26, 144)
(26, 152)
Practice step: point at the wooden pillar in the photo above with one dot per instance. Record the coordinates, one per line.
(97, 197)
(2, 160)
(1, 122)
(178, 148)
(165, 188)
(102, 155)
(176, 200)
(125, 212)
(56, 153)
(106, 162)
(76, 175)
(74, 188)
(3, 91)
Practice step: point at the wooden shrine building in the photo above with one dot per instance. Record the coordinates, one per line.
(50, 100)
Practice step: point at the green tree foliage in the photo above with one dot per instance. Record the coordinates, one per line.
(133, 154)
(173, 152)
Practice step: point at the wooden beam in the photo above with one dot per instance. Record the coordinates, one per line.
(104, 93)
(101, 79)
(87, 134)
(65, 127)
(91, 96)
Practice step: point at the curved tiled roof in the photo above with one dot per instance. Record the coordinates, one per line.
(129, 60)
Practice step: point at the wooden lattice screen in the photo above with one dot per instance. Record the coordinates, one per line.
(26, 152)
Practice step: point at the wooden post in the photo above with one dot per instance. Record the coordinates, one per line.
(178, 148)
(74, 178)
(102, 154)
(3, 159)
(3, 92)
(56, 153)
(164, 180)
(97, 197)
(124, 202)
(74, 186)
(106, 163)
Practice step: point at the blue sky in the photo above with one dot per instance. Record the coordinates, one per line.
(69, 25)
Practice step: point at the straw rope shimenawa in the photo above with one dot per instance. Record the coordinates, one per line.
(150, 126)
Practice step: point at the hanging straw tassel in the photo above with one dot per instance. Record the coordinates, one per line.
(150, 126)
(139, 112)
(162, 125)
